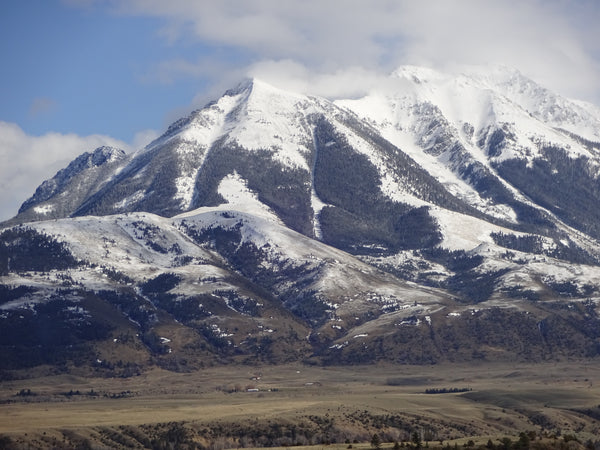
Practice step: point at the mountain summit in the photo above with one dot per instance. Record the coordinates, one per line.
(448, 210)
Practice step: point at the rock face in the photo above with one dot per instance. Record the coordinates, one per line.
(448, 217)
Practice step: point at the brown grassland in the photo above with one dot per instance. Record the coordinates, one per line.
(298, 405)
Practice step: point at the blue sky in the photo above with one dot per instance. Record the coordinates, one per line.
(87, 71)
(81, 73)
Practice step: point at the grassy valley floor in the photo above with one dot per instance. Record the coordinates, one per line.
(296, 405)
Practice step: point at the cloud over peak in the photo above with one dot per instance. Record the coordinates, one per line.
(553, 41)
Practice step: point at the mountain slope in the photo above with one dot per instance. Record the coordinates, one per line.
(218, 285)
(61, 195)
(278, 142)
(214, 283)
(425, 222)
(497, 140)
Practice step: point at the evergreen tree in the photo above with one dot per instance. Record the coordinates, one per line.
(416, 439)
(376, 441)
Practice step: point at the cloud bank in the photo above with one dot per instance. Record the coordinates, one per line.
(555, 42)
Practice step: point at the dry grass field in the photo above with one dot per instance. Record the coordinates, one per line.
(242, 406)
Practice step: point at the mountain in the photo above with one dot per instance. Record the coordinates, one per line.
(443, 217)
(502, 135)
(71, 185)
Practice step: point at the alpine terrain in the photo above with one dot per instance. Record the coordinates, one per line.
(444, 217)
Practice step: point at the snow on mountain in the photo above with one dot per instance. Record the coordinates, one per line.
(334, 272)
(276, 120)
(191, 139)
(255, 116)
(460, 128)
(413, 122)
(479, 99)
(485, 95)
(557, 111)
(62, 193)
(235, 192)
(212, 259)
(428, 203)
(462, 232)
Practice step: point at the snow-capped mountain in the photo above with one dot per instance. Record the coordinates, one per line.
(350, 230)
(72, 185)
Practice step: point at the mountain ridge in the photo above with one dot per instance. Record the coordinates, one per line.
(444, 213)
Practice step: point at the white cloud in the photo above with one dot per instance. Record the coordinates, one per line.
(556, 42)
(547, 40)
(143, 138)
(26, 161)
(327, 33)
(350, 82)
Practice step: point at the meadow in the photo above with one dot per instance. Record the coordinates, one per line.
(298, 405)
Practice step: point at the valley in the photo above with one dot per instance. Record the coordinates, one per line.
(264, 405)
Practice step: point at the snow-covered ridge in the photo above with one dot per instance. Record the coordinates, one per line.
(202, 126)
(458, 90)
(481, 98)
(446, 123)
(256, 116)
(276, 120)
(480, 116)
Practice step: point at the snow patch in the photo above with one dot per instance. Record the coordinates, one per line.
(234, 189)
(128, 201)
(43, 209)
(275, 120)
(463, 232)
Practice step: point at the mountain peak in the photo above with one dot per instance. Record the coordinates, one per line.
(242, 87)
(105, 154)
(79, 176)
(261, 90)
(208, 123)
(251, 85)
(450, 181)
(482, 115)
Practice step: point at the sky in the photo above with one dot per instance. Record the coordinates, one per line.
(77, 74)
